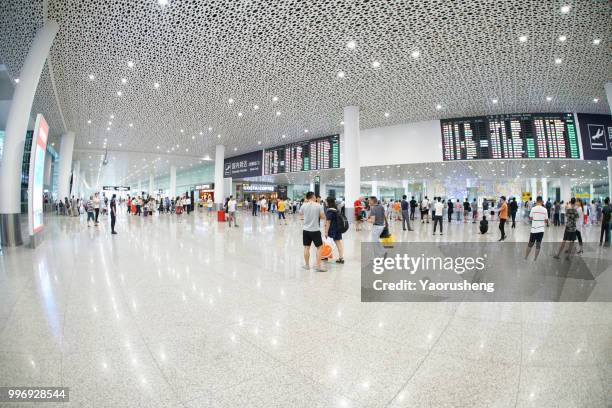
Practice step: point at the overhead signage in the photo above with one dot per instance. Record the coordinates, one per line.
(210, 186)
(596, 135)
(258, 187)
(37, 175)
(116, 188)
(512, 136)
(245, 165)
(282, 191)
(316, 154)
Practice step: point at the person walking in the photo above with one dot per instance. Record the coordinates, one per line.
(413, 206)
(580, 223)
(281, 207)
(425, 210)
(556, 213)
(438, 210)
(458, 210)
(311, 213)
(113, 213)
(606, 218)
(562, 208)
(358, 206)
(89, 208)
(378, 219)
(539, 218)
(503, 217)
(513, 209)
(449, 210)
(231, 211)
(96, 203)
(569, 236)
(466, 210)
(405, 206)
(474, 211)
(332, 229)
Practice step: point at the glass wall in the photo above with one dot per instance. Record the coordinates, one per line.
(186, 178)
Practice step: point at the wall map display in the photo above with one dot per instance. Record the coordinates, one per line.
(317, 154)
(513, 136)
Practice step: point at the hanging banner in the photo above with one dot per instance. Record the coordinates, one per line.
(37, 175)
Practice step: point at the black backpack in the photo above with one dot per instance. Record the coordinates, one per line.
(341, 221)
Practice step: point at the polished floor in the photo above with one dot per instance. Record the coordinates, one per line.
(186, 312)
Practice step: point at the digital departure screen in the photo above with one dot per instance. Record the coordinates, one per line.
(514, 136)
(316, 154)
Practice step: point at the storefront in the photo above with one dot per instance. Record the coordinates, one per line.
(203, 192)
(249, 191)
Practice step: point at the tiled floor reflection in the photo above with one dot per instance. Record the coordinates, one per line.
(184, 312)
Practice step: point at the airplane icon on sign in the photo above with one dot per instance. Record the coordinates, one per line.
(597, 135)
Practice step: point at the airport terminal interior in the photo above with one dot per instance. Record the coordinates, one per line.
(234, 203)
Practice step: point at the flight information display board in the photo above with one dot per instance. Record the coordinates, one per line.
(514, 136)
(316, 154)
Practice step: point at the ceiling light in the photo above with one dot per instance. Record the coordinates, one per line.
(186, 150)
(255, 107)
(341, 74)
(110, 123)
(156, 85)
(112, 116)
(386, 114)
(230, 100)
(562, 38)
(157, 147)
(182, 130)
(123, 80)
(549, 98)
(595, 100)
(342, 123)
(162, 2)
(278, 113)
(415, 54)
(235, 148)
(219, 136)
(596, 41)
(131, 125)
(119, 93)
(192, 137)
(239, 114)
(558, 61)
(107, 128)
(283, 136)
(438, 107)
(305, 130)
(120, 144)
(523, 38)
(565, 9)
(16, 80)
(494, 101)
(130, 64)
(275, 99)
(210, 129)
(89, 122)
(91, 76)
(351, 45)
(259, 142)
(375, 64)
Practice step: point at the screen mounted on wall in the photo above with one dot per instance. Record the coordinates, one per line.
(317, 154)
(513, 136)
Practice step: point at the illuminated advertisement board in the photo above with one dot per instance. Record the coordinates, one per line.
(37, 175)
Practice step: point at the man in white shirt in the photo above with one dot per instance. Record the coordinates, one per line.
(425, 210)
(539, 219)
(312, 212)
(439, 212)
(231, 211)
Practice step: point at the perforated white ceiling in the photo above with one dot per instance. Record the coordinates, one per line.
(202, 54)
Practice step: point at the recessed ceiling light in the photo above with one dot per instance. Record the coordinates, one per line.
(120, 144)
(341, 74)
(219, 136)
(157, 147)
(375, 64)
(110, 123)
(255, 107)
(182, 130)
(549, 98)
(235, 148)
(275, 99)
(596, 41)
(305, 130)
(562, 38)
(131, 125)
(119, 93)
(565, 9)
(558, 61)
(342, 123)
(259, 142)
(494, 101)
(107, 128)
(156, 85)
(438, 107)
(278, 113)
(283, 136)
(91, 76)
(89, 122)
(186, 150)
(595, 100)
(230, 100)
(239, 113)
(123, 80)
(112, 116)
(192, 137)
(130, 64)
(415, 54)
(386, 114)
(523, 38)
(351, 45)
(16, 80)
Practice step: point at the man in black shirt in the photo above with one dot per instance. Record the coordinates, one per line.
(606, 219)
(413, 206)
(513, 210)
(113, 213)
(405, 216)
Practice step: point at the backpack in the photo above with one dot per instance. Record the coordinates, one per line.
(341, 221)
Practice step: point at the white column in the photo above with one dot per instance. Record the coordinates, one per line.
(609, 173)
(172, 192)
(544, 189)
(311, 186)
(534, 188)
(425, 189)
(48, 163)
(375, 188)
(565, 188)
(405, 187)
(219, 160)
(139, 187)
(323, 189)
(76, 173)
(151, 184)
(14, 138)
(65, 163)
(608, 88)
(352, 166)
(591, 192)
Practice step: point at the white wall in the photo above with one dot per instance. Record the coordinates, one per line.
(417, 142)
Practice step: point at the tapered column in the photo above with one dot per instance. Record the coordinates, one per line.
(374, 191)
(565, 188)
(544, 189)
(14, 138)
(76, 181)
(65, 163)
(219, 159)
(172, 191)
(151, 184)
(352, 164)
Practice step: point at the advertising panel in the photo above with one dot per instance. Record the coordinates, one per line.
(37, 175)
(596, 135)
(245, 165)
